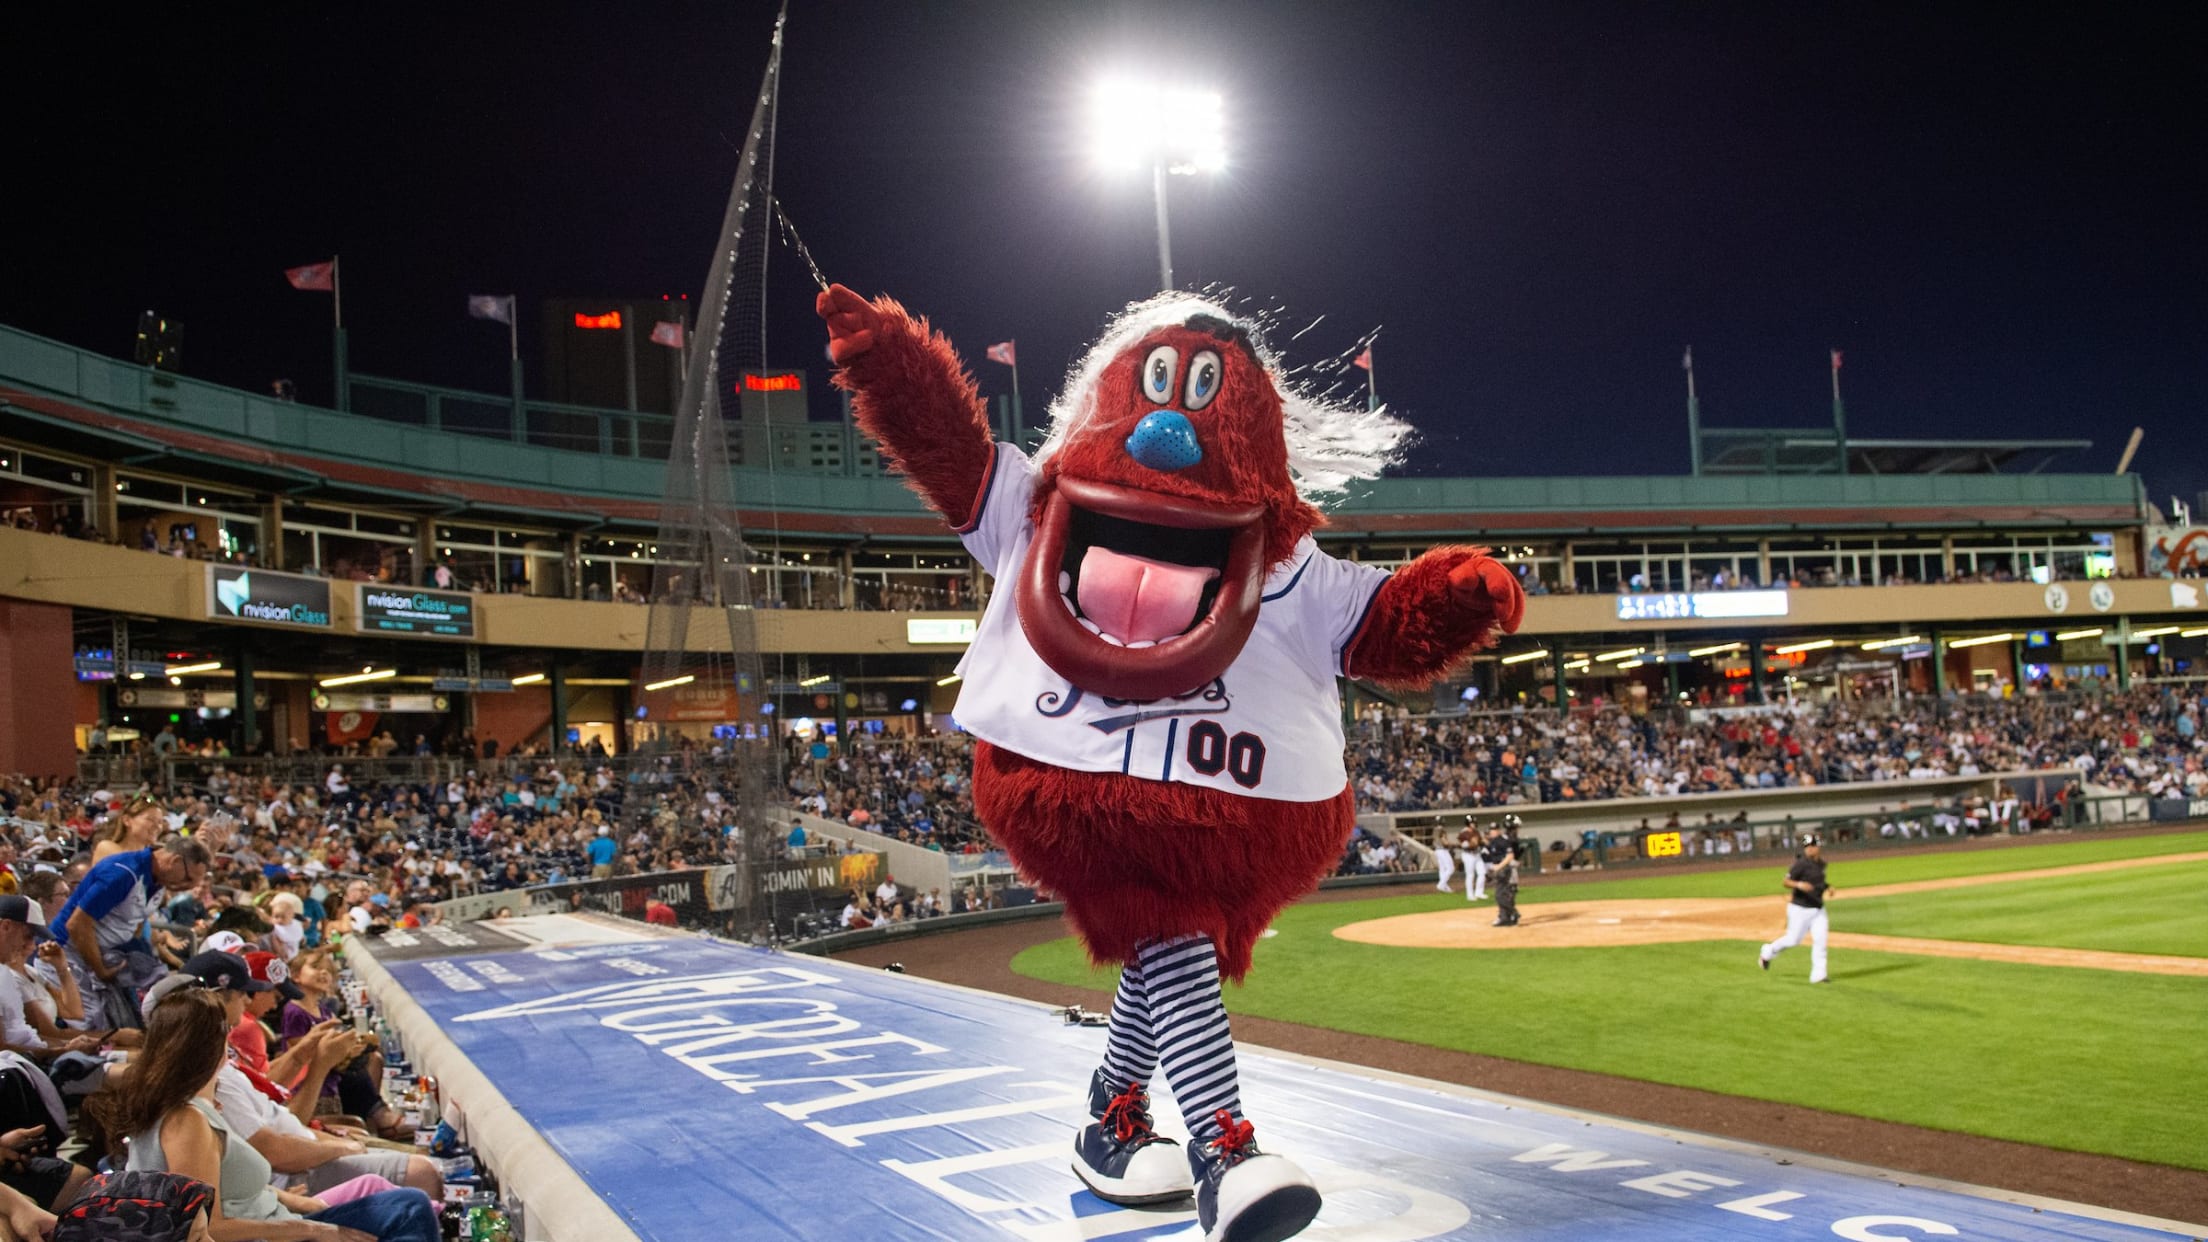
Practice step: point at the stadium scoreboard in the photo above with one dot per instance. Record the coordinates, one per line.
(1702, 605)
(1664, 845)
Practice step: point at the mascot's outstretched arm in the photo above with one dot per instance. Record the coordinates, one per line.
(910, 392)
(1433, 612)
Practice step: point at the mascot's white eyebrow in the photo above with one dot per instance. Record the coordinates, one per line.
(1330, 443)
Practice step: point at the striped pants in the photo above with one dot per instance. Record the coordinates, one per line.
(1168, 1008)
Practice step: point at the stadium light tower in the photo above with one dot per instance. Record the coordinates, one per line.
(1175, 130)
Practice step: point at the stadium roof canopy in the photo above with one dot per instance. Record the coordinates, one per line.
(1816, 450)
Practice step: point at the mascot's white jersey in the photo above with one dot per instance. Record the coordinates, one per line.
(1269, 727)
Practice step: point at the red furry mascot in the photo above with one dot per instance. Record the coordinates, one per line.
(1153, 684)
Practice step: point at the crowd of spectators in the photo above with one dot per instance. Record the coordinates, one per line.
(169, 1003)
(2146, 740)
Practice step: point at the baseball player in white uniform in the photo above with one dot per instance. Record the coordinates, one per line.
(1445, 861)
(1475, 862)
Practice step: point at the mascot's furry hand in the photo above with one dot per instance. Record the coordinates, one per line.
(852, 323)
(1482, 586)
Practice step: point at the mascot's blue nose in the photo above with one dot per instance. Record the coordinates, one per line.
(1165, 441)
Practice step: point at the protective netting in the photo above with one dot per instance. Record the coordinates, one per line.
(702, 665)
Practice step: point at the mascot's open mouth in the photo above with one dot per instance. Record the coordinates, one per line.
(1136, 595)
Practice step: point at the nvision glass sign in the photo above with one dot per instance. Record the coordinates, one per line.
(434, 614)
(1701, 605)
(266, 597)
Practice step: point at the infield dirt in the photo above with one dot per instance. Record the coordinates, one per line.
(1597, 924)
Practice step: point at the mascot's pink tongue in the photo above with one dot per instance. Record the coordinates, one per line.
(1136, 599)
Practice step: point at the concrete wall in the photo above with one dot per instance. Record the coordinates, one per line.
(912, 866)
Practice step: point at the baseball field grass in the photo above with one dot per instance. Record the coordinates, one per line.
(2083, 1059)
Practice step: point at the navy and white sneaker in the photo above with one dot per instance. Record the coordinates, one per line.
(1119, 1155)
(1244, 1195)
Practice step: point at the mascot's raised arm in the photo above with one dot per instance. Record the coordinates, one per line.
(1152, 688)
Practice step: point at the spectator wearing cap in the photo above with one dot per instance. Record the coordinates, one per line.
(101, 924)
(23, 926)
(167, 1108)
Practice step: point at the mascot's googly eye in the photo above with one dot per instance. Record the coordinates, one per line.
(1203, 381)
(1157, 373)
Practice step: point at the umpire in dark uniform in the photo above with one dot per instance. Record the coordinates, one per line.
(1501, 854)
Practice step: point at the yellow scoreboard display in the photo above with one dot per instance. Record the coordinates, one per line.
(1663, 845)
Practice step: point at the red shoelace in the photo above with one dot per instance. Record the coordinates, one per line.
(1128, 1115)
(1233, 1135)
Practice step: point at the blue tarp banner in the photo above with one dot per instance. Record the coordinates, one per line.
(707, 1090)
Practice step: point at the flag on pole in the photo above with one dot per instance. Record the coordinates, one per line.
(486, 306)
(667, 332)
(1836, 360)
(1363, 360)
(321, 276)
(1003, 352)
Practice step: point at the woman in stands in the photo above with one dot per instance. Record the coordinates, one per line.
(137, 825)
(166, 1104)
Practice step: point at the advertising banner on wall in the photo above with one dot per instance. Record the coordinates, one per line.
(428, 614)
(264, 596)
(2177, 551)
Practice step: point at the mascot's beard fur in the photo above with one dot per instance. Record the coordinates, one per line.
(1141, 860)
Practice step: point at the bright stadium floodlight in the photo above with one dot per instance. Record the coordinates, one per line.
(1175, 130)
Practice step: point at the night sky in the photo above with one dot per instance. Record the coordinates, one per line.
(1996, 212)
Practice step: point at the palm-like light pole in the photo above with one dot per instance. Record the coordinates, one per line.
(1175, 130)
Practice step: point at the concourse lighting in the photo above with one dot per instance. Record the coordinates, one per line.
(528, 679)
(814, 681)
(2067, 635)
(683, 680)
(1881, 644)
(204, 666)
(2156, 632)
(1631, 664)
(374, 674)
(2193, 633)
(1982, 640)
(1719, 649)
(951, 680)
(1523, 656)
(1627, 654)
(1793, 648)
(1576, 665)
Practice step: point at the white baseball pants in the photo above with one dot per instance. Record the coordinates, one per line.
(1803, 921)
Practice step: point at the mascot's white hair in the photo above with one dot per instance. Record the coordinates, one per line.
(1330, 443)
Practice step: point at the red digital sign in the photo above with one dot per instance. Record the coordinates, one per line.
(792, 382)
(611, 319)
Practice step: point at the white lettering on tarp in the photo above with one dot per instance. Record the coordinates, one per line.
(454, 978)
(1679, 1183)
(935, 1175)
(1565, 1158)
(495, 972)
(856, 1088)
(725, 987)
(1758, 1206)
(822, 1054)
(629, 965)
(851, 1135)
(1860, 1228)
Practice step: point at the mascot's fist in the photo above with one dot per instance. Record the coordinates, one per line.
(852, 323)
(1483, 585)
